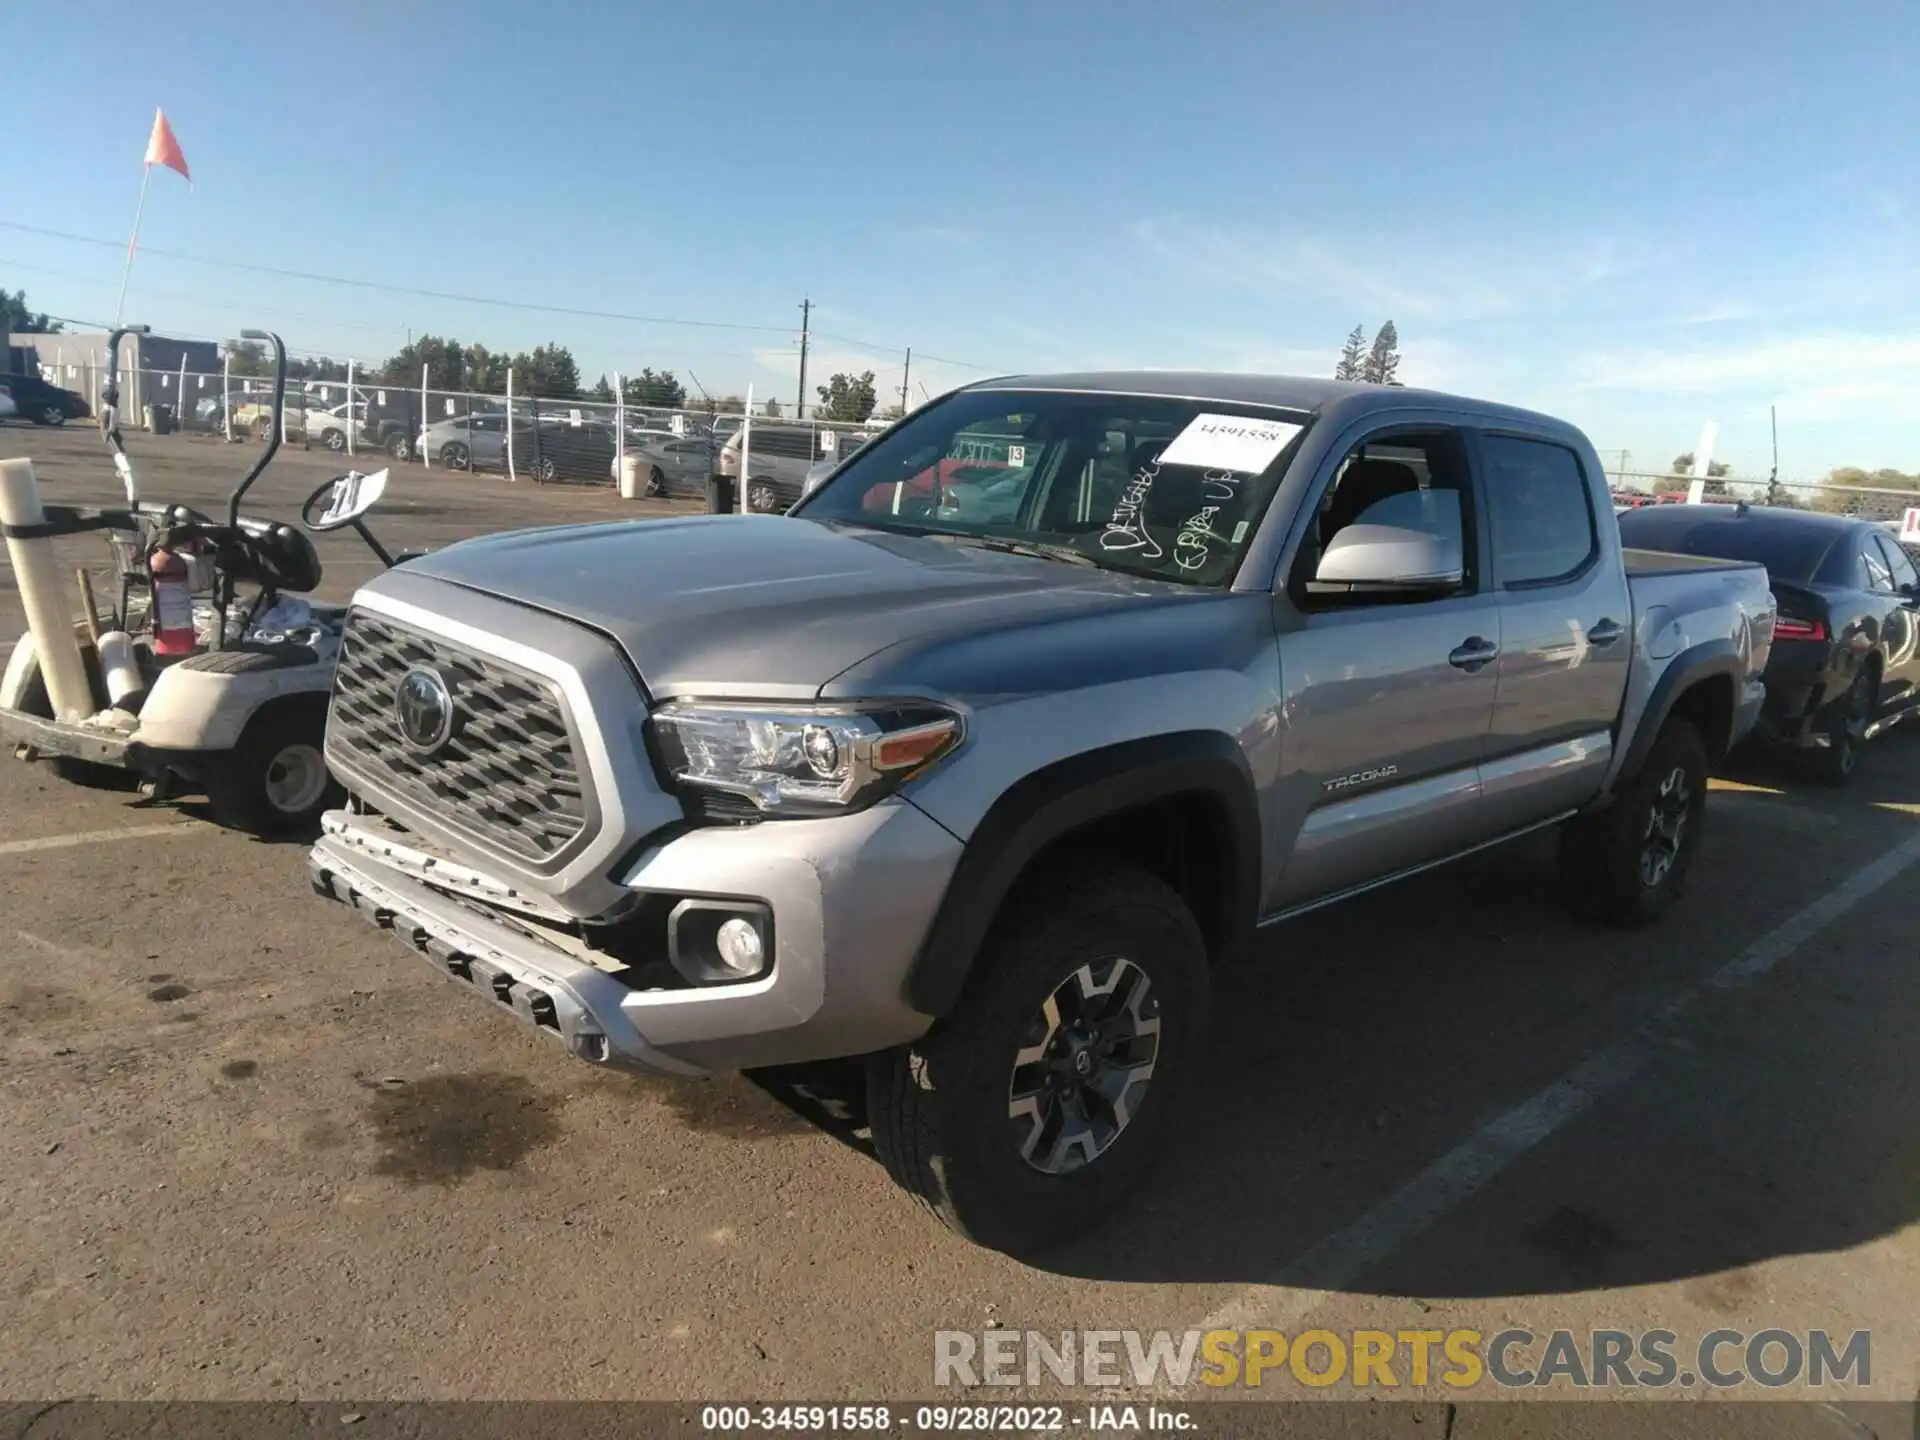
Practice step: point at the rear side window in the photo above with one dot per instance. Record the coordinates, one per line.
(1541, 508)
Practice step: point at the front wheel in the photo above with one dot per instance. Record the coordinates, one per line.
(454, 456)
(656, 484)
(544, 469)
(400, 447)
(1043, 1101)
(1626, 864)
(336, 440)
(275, 781)
(53, 415)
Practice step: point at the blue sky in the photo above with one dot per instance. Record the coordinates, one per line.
(1641, 216)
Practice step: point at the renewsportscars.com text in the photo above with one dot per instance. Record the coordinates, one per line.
(1377, 1360)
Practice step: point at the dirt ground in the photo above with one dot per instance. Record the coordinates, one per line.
(254, 1149)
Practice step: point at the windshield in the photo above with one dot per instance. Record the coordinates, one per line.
(1171, 489)
(1790, 549)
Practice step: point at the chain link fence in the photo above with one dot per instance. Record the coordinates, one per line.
(1886, 504)
(651, 450)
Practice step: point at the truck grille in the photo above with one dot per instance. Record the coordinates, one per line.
(508, 775)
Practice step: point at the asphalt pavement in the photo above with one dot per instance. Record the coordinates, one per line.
(254, 1149)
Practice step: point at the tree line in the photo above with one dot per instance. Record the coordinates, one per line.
(1376, 364)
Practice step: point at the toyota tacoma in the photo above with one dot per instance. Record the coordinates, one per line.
(975, 765)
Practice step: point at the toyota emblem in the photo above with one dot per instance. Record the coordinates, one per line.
(423, 704)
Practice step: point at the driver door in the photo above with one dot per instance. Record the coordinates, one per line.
(1386, 705)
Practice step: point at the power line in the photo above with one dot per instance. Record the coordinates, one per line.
(456, 296)
(577, 312)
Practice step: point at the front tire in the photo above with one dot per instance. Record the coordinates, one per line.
(454, 456)
(275, 782)
(1042, 1102)
(336, 440)
(53, 415)
(1627, 864)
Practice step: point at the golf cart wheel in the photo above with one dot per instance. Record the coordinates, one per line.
(336, 440)
(656, 484)
(454, 455)
(53, 415)
(275, 781)
(1044, 1100)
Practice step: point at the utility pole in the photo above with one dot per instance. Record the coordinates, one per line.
(906, 378)
(806, 320)
(1773, 477)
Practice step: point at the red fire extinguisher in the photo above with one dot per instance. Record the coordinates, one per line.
(172, 603)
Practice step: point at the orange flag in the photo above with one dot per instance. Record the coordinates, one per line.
(163, 149)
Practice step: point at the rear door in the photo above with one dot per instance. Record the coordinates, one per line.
(1566, 625)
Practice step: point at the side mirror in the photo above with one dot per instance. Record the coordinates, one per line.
(1390, 559)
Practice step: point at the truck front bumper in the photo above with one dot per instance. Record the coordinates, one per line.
(852, 899)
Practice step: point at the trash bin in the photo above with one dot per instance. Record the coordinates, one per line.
(630, 487)
(720, 497)
(160, 419)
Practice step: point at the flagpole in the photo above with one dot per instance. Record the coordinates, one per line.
(126, 272)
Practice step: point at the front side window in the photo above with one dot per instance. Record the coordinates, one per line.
(1541, 508)
(1905, 579)
(1166, 488)
(1879, 572)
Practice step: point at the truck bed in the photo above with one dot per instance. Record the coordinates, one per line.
(1666, 562)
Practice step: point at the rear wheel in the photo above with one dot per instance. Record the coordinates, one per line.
(400, 447)
(1044, 1100)
(1835, 762)
(53, 415)
(336, 440)
(1626, 864)
(544, 469)
(762, 500)
(656, 484)
(275, 781)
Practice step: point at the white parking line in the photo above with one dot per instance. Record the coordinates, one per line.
(1302, 1285)
(98, 837)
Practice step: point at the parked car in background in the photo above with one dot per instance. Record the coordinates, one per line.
(1844, 665)
(552, 449)
(28, 397)
(254, 416)
(780, 456)
(671, 464)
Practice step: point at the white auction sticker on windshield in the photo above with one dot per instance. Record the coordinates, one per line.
(1229, 442)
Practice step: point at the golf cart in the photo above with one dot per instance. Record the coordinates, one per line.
(210, 672)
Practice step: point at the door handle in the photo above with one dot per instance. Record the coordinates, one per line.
(1472, 653)
(1604, 632)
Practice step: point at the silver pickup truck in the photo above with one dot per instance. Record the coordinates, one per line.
(1041, 706)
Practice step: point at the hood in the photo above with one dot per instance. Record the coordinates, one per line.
(772, 607)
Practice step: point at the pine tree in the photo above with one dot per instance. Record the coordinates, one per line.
(1383, 361)
(1353, 356)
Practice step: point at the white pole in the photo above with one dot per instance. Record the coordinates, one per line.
(510, 474)
(37, 576)
(226, 395)
(126, 271)
(746, 444)
(619, 427)
(180, 400)
(349, 407)
(419, 436)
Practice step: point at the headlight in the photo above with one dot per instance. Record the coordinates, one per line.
(802, 760)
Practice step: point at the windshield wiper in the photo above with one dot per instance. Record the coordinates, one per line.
(1023, 547)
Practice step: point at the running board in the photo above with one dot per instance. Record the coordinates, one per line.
(1307, 907)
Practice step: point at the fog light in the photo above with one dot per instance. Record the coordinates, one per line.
(738, 945)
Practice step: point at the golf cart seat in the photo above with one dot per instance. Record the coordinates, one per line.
(274, 556)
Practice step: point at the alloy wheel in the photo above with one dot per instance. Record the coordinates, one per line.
(1084, 1066)
(1666, 827)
